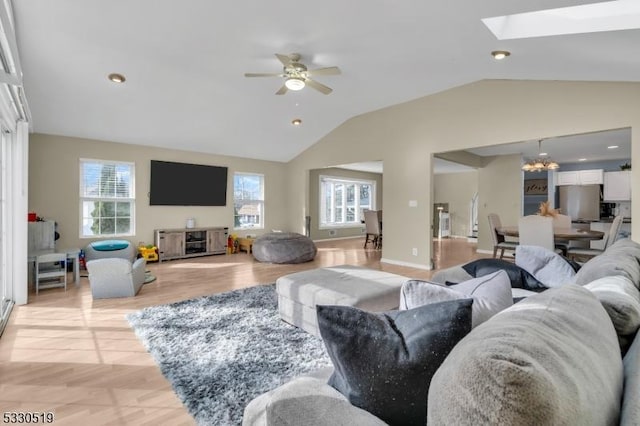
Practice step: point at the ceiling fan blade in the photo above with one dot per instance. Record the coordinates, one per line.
(318, 86)
(263, 74)
(282, 90)
(325, 71)
(284, 59)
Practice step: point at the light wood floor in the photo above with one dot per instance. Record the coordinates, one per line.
(66, 353)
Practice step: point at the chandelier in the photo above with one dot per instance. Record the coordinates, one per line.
(540, 164)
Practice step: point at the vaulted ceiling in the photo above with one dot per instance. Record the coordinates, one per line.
(184, 64)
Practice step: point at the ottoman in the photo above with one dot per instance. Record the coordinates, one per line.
(346, 285)
(284, 247)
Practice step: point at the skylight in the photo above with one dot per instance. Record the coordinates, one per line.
(588, 18)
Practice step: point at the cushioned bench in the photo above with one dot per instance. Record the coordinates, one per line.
(346, 285)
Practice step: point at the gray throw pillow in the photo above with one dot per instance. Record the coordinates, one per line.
(490, 293)
(384, 361)
(548, 267)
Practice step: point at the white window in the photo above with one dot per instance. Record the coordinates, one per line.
(248, 201)
(107, 198)
(342, 201)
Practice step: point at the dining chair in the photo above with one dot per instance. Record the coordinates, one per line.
(536, 230)
(562, 221)
(609, 238)
(51, 271)
(498, 240)
(373, 228)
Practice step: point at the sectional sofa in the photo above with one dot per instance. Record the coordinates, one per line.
(567, 355)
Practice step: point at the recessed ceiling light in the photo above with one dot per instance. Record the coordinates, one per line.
(582, 159)
(296, 122)
(116, 78)
(612, 147)
(500, 54)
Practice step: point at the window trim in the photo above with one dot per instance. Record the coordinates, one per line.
(82, 198)
(261, 225)
(343, 180)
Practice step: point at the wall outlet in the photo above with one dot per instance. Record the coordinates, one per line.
(413, 203)
(332, 232)
(414, 251)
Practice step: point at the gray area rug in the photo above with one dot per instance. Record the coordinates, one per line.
(221, 351)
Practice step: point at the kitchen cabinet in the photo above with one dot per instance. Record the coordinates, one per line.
(567, 178)
(617, 186)
(580, 177)
(591, 177)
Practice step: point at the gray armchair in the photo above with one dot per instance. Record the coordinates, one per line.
(115, 277)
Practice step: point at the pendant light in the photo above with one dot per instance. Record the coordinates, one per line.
(540, 164)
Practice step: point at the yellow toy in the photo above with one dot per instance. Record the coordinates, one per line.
(149, 252)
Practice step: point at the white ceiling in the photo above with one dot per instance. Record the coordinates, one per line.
(564, 149)
(570, 149)
(439, 166)
(185, 63)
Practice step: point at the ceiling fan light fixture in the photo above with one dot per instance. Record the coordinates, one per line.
(500, 54)
(294, 83)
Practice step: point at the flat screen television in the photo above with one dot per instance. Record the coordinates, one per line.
(183, 184)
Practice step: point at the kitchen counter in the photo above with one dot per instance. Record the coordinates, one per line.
(601, 220)
(610, 219)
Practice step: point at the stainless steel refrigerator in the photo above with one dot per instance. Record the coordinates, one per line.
(580, 201)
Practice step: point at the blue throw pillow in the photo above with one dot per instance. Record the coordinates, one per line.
(383, 362)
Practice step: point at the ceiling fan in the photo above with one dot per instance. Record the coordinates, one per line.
(297, 76)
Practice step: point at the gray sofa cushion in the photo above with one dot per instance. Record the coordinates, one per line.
(621, 300)
(308, 398)
(630, 414)
(384, 362)
(622, 258)
(490, 293)
(552, 358)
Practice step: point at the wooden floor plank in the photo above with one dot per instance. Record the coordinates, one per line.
(68, 353)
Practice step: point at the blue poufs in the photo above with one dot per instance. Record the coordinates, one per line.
(110, 248)
(284, 247)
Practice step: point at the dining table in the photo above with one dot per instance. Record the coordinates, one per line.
(571, 234)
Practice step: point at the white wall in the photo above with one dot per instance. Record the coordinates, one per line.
(54, 186)
(484, 113)
(500, 192)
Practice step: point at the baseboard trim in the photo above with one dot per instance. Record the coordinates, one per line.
(408, 264)
(508, 255)
(339, 238)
